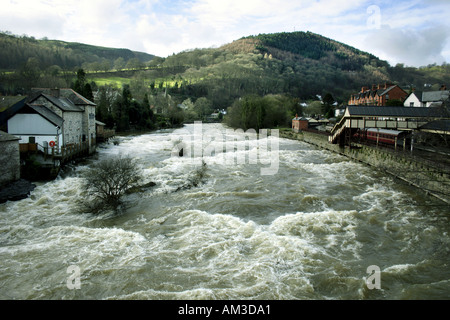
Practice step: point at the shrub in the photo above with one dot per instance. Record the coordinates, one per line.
(107, 180)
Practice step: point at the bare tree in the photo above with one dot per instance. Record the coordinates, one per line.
(109, 179)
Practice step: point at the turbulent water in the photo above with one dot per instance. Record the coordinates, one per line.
(308, 231)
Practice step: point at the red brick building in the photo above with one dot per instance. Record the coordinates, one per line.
(378, 95)
(299, 124)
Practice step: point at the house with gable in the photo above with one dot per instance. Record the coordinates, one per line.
(427, 98)
(60, 116)
(36, 125)
(435, 98)
(414, 99)
(77, 112)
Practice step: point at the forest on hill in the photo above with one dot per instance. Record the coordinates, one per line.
(15, 51)
(271, 73)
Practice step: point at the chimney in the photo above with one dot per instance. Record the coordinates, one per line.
(374, 87)
(54, 92)
(364, 89)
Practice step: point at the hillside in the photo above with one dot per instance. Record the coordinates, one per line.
(300, 64)
(297, 64)
(15, 51)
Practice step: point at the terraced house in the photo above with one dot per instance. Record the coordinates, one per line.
(378, 95)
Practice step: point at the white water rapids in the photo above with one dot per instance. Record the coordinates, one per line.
(310, 231)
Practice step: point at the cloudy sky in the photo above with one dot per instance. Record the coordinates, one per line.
(412, 32)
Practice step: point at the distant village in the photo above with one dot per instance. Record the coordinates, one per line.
(388, 115)
(52, 126)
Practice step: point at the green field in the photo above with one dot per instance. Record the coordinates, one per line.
(120, 81)
(113, 81)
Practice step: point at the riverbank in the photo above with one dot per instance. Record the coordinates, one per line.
(432, 177)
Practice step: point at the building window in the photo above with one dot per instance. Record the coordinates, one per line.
(411, 104)
(31, 139)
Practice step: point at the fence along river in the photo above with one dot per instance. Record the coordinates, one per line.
(310, 231)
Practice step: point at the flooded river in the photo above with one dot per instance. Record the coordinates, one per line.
(308, 228)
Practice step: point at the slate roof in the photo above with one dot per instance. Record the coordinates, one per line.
(67, 93)
(48, 114)
(43, 111)
(7, 137)
(9, 101)
(76, 97)
(63, 103)
(9, 105)
(438, 125)
(433, 96)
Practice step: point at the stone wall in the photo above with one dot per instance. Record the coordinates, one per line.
(10, 161)
(431, 177)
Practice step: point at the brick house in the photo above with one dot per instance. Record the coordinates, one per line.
(299, 124)
(378, 95)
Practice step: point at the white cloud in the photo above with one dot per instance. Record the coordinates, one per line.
(165, 27)
(412, 47)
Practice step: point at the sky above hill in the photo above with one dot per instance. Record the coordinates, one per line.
(413, 32)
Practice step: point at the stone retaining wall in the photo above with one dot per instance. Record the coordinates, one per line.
(432, 178)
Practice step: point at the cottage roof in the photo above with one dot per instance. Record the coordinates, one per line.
(72, 95)
(434, 96)
(9, 105)
(43, 111)
(63, 103)
(77, 98)
(48, 114)
(9, 101)
(382, 92)
(7, 137)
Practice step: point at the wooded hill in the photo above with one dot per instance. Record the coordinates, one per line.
(299, 65)
(16, 50)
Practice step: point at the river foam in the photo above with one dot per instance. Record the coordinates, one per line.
(308, 232)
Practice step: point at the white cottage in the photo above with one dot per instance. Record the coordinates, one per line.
(77, 112)
(414, 99)
(59, 116)
(36, 124)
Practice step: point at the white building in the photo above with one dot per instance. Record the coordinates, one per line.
(59, 116)
(77, 112)
(37, 125)
(434, 98)
(414, 99)
(427, 98)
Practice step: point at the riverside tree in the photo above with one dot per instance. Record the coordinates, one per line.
(109, 179)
